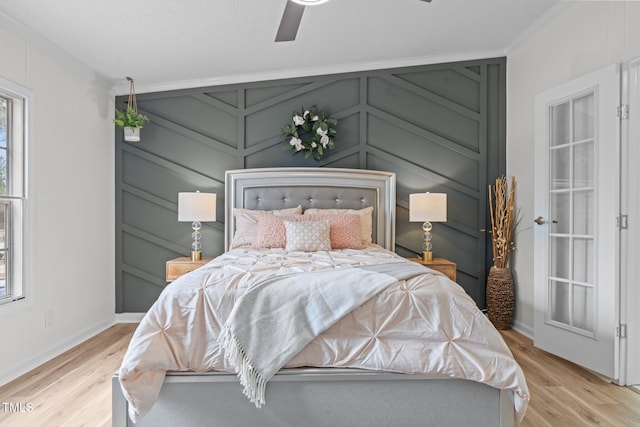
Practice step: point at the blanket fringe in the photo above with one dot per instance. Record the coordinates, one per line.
(253, 384)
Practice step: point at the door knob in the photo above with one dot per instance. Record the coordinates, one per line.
(541, 221)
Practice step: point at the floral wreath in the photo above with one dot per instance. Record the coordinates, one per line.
(311, 132)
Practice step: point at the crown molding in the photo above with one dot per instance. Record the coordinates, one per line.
(539, 23)
(289, 73)
(46, 45)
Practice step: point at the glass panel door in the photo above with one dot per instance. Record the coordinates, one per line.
(571, 195)
(575, 238)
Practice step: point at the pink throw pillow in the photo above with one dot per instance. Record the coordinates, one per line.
(344, 230)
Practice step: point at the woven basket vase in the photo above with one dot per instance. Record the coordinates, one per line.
(500, 297)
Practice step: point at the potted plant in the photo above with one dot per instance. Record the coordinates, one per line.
(500, 291)
(130, 120)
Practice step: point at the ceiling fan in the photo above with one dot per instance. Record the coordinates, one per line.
(292, 16)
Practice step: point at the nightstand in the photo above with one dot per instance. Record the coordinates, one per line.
(178, 266)
(444, 266)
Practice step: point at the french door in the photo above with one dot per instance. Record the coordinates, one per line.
(575, 212)
(630, 232)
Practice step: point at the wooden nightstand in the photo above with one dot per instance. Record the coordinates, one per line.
(178, 266)
(444, 266)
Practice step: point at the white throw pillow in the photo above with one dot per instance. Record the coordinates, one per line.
(308, 236)
(366, 219)
(247, 224)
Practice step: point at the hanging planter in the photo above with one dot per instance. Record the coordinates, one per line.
(131, 134)
(130, 120)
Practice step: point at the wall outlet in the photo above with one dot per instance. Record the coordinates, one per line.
(48, 318)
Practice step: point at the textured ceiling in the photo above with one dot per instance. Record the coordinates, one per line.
(167, 44)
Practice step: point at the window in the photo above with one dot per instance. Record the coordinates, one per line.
(13, 135)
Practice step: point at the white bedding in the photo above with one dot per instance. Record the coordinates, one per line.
(424, 325)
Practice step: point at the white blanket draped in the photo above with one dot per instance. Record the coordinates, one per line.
(423, 325)
(276, 319)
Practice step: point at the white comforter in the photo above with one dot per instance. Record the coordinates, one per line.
(427, 324)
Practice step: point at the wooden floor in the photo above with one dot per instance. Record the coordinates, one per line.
(564, 394)
(74, 389)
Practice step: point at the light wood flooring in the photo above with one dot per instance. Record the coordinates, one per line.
(74, 389)
(564, 394)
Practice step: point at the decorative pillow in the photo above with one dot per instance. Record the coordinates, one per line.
(344, 230)
(247, 223)
(307, 236)
(271, 232)
(366, 219)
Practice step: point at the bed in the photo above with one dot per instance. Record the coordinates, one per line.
(328, 383)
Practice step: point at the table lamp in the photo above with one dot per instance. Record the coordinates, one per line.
(427, 207)
(196, 207)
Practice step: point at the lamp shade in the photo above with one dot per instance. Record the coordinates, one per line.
(196, 206)
(430, 207)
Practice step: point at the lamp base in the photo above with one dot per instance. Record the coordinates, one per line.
(427, 256)
(196, 255)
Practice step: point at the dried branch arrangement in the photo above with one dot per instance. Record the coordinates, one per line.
(503, 219)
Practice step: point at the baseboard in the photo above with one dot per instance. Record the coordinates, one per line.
(129, 317)
(523, 329)
(13, 372)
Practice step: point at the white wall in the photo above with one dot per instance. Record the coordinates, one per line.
(71, 196)
(583, 38)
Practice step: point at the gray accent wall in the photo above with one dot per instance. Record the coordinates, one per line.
(440, 128)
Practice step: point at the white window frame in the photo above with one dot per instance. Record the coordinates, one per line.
(16, 198)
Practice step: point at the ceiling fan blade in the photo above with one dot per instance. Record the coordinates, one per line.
(290, 22)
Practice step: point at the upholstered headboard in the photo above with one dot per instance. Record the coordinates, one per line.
(278, 188)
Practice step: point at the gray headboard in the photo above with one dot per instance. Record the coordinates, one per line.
(277, 188)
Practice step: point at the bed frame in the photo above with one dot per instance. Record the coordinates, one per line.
(313, 396)
(321, 188)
